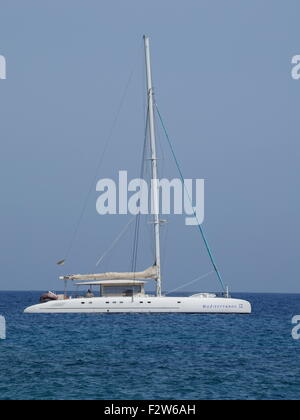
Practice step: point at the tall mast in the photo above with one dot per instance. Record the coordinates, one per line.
(155, 189)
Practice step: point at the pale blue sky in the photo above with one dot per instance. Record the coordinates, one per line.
(222, 76)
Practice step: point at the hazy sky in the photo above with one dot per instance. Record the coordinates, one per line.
(222, 75)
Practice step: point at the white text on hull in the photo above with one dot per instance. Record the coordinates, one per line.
(144, 305)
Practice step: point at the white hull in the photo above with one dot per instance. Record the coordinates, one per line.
(144, 305)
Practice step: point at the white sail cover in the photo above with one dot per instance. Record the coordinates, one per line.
(150, 273)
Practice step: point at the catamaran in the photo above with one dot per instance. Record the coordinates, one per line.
(125, 292)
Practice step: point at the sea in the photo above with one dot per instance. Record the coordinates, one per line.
(150, 357)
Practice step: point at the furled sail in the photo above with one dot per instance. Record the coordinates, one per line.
(150, 273)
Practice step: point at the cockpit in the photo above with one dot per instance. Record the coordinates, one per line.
(115, 288)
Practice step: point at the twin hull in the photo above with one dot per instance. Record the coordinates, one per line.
(144, 305)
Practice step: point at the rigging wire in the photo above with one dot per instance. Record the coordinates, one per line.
(195, 214)
(115, 242)
(165, 247)
(191, 282)
(98, 166)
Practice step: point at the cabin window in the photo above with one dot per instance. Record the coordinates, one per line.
(121, 290)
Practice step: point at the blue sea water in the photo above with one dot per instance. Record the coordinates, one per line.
(179, 356)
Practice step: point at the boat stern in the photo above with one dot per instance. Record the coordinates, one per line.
(244, 307)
